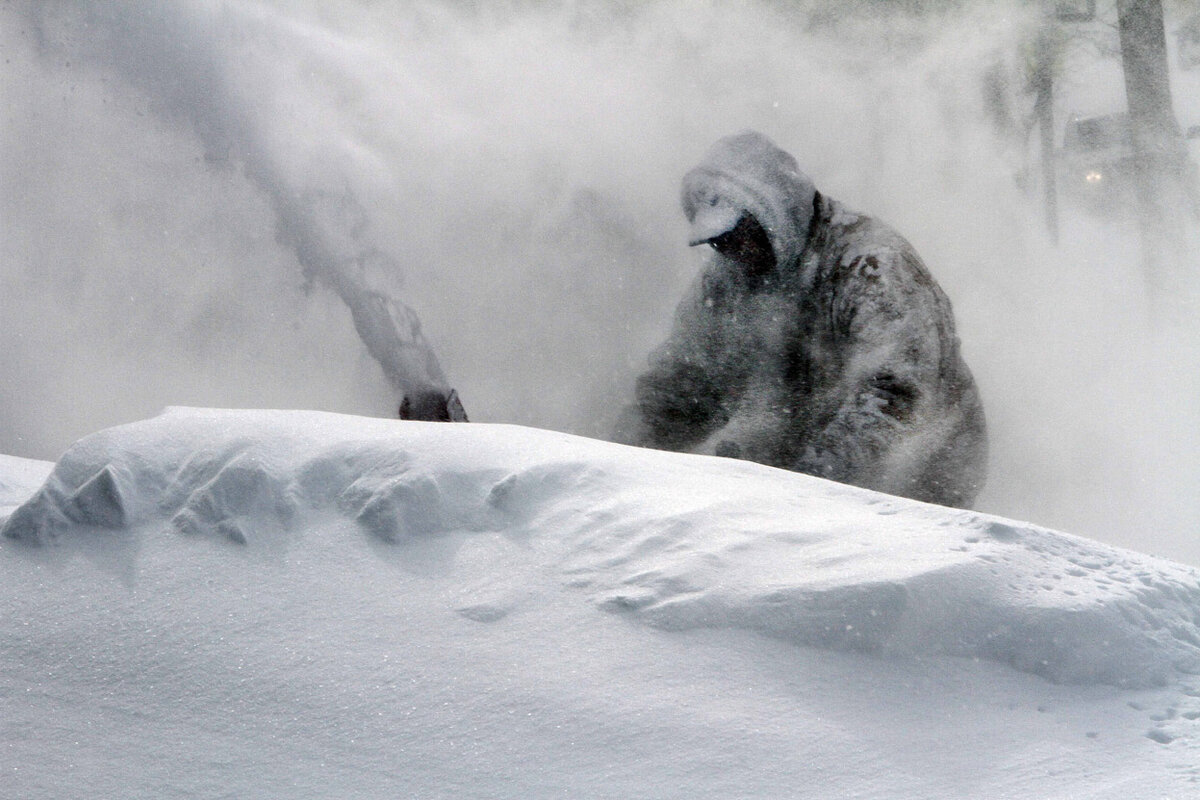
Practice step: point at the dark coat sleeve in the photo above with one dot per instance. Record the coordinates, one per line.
(889, 322)
(682, 398)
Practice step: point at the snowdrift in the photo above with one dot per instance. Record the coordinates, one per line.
(19, 478)
(673, 541)
(293, 604)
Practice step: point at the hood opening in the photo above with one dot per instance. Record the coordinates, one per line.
(748, 174)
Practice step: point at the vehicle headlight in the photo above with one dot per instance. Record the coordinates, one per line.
(1094, 176)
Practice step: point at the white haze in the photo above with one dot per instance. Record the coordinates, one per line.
(520, 164)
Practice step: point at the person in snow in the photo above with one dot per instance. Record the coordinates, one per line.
(815, 340)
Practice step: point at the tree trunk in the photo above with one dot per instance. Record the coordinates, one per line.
(1160, 159)
(1043, 80)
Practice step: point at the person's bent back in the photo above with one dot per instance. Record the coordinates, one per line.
(815, 340)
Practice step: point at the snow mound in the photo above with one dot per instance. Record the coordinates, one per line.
(674, 541)
(19, 478)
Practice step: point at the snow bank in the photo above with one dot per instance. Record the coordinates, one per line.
(674, 541)
(19, 478)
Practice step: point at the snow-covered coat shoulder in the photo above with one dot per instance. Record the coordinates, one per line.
(842, 363)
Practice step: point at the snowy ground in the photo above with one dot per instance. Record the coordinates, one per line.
(265, 604)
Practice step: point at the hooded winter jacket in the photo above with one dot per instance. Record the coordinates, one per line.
(841, 362)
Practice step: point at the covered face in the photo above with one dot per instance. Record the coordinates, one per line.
(746, 175)
(748, 244)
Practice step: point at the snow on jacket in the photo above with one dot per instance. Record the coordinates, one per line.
(842, 362)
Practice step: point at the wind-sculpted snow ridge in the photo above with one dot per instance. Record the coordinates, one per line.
(674, 541)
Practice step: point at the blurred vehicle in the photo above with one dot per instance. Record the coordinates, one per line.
(1096, 163)
(1097, 166)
